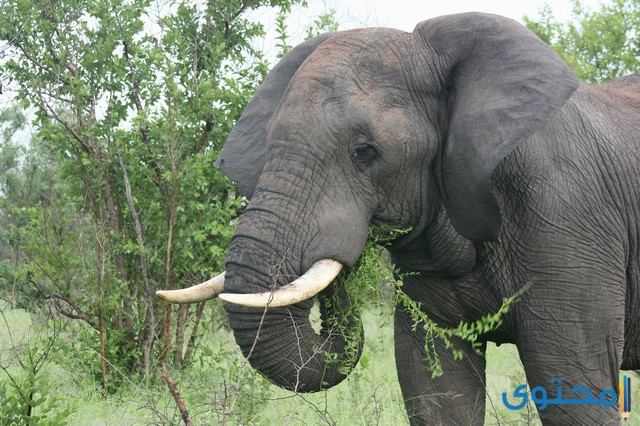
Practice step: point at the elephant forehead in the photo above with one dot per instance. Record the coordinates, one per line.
(314, 114)
(361, 56)
(339, 108)
(315, 106)
(342, 88)
(341, 93)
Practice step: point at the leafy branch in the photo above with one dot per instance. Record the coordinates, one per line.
(362, 285)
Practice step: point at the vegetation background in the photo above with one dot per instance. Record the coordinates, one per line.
(126, 104)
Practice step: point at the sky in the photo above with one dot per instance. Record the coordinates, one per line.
(400, 14)
(405, 14)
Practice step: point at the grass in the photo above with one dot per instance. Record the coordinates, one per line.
(221, 389)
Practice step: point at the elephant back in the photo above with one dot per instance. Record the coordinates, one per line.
(625, 89)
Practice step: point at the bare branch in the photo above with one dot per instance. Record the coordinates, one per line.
(143, 261)
(135, 92)
(184, 413)
(68, 65)
(144, 129)
(64, 305)
(49, 112)
(240, 11)
(194, 334)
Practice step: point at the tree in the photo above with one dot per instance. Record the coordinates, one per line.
(28, 188)
(133, 100)
(597, 45)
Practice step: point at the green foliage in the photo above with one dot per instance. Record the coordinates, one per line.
(240, 394)
(322, 24)
(282, 37)
(362, 284)
(597, 45)
(134, 99)
(27, 396)
(11, 120)
(117, 196)
(468, 332)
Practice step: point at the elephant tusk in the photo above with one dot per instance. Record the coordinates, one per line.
(316, 279)
(198, 293)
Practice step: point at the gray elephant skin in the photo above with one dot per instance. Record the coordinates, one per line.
(511, 174)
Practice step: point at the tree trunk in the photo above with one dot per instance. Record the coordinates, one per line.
(150, 317)
(194, 335)
(180, 331)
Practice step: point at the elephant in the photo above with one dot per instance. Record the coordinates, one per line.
(510, 175)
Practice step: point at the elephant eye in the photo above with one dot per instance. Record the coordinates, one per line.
(363, 155)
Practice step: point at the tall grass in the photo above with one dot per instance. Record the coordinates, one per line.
(220, 388)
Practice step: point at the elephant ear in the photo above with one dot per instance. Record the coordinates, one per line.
(244, 153)
(501, 85)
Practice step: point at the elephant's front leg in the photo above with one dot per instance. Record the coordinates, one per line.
(573, 366)
(455, 398)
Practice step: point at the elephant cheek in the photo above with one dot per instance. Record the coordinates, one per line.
(342, 237)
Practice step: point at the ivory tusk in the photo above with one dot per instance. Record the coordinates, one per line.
(198, 293)
(316, 279)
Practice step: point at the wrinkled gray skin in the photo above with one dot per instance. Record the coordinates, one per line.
(474, 133)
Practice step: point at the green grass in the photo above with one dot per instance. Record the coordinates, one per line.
(222, 388)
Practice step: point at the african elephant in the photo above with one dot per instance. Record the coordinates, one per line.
(510, 173)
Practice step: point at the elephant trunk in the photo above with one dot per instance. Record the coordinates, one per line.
(281, 342)
(287, 228)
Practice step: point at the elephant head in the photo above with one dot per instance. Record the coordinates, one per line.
(370, 127)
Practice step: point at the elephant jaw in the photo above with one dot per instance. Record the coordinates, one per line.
(317, 278)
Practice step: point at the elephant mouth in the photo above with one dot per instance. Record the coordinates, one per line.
(317, 278)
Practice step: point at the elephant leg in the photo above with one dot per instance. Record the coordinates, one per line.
(455, 398)
(574, 371)
(571, 325)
